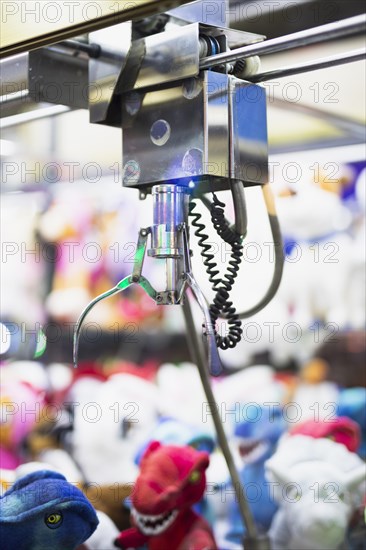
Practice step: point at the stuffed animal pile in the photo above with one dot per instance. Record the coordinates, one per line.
(139, 459)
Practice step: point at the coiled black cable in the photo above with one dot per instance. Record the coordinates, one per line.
(208, 258)
(277, 241)
(221, 305)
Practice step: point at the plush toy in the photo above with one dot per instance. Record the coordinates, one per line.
(21, 275)
(174, 432)
(318, 486)
(171, 480)
(313, 395)
(256, 384)
(352, 403)
(42, 510)
(106, 423)
(340, 429)
(106, 532)
(174, 384)
(104, 536)
(111, 422)
(21, 407)
(257, 437)
(319, 253)
(68, 222)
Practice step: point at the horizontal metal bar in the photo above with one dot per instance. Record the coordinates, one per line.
(350, 127)
(315, 145)
(92, 50)
(323, 63)
(323, 33)
(16, 103)
(14, 97)
(28, 25)
(14, 74)
(30, 116)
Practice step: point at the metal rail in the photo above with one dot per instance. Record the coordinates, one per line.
(323, 63)
(30, 116)
(30, 36)
(92, 50)
(323, 33)
(347, 125)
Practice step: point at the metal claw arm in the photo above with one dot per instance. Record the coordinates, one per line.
(214, 361)
(122, 285)
(135, 278)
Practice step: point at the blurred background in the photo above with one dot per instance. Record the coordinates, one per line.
(69, 231)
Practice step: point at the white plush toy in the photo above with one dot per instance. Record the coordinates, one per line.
(318, 270)
(318, 484)
(104, 536)
(112, 420)
(181, 396)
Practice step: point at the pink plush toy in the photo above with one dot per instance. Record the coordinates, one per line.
(341, 430)
(21, 407)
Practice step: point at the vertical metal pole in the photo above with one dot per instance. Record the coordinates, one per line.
(253, 541)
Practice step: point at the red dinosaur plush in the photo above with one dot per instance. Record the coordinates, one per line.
(171, 480)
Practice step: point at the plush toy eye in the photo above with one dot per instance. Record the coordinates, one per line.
(53, 521)
(294, 495)
(194, 476)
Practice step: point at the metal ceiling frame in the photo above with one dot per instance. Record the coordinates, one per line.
(354, 131)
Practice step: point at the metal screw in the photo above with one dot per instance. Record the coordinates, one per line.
(159, 298)
(131, 172)
(160, 132)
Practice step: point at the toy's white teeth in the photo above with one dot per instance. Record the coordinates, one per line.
(254, 452)
(153, 525)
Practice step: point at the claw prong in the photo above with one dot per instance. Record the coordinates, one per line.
(122, 285)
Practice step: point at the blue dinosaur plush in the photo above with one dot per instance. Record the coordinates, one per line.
(43, 511)
(257, 437)
(175, 432)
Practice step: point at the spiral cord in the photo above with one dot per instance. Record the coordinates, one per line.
(221, 305)
(208, 259)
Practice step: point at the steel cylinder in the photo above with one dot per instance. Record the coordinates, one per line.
(170, 211)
